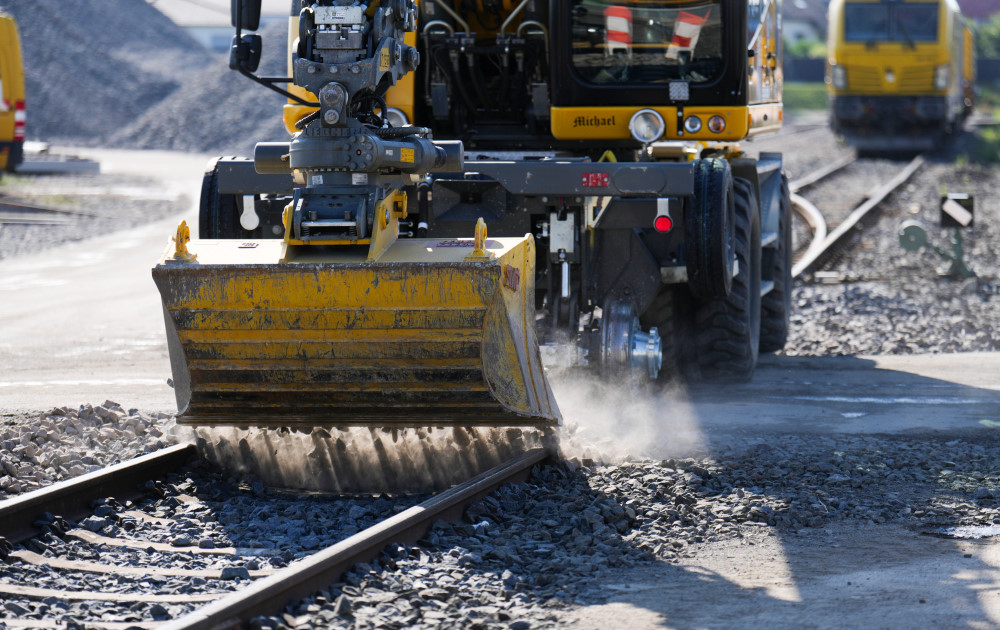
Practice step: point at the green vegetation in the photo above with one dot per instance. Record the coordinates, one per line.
(988, 97)
(806, 49)
(803, 96)
(988, 37)
(987, 147)
(11, 180)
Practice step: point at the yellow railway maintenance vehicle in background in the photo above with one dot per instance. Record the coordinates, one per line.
(468, 180)
(12, 109)
(900, 72)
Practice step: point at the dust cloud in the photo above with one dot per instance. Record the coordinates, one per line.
(613, 423)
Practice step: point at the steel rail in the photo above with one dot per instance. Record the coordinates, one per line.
(807, 180)
(810, 213)
(836, 238)
(269, 595)
(71, 498)
(817, 225)
(21, 208)
(20, 218)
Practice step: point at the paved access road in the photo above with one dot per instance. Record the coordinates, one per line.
(82, 322)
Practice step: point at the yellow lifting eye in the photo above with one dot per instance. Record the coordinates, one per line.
(480, 238)
(181, 240)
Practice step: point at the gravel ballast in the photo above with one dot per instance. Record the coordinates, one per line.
(229, 530)
(534, 552)
(877, 298)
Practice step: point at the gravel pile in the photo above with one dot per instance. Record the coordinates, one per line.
(64, 443)
(216, 110)
(118, 73)
(93, 65)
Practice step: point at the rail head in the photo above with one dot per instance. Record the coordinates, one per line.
(71, 498)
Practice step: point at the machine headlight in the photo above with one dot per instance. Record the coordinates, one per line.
(647, 126)
(941, 76)
(692, 124)
(838, 77)
(396, 117)
(716, 124)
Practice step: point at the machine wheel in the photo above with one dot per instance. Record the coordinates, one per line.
(776, 306)
(626, 353)
(218, 215)
(727, 329)
(708, 228)
(662, 313)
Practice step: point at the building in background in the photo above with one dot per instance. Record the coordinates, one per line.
(207, 21)
(804, 20)
(979, 9)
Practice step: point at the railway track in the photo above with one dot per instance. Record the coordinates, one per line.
(100, 551)
(20, 213)
(13, 213)
(826, 242)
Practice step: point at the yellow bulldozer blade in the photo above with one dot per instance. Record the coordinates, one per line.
(429, 334)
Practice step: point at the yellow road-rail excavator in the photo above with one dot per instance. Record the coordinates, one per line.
(471, 185)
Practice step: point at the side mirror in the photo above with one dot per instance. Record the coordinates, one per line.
(245, 53)
(246, 13)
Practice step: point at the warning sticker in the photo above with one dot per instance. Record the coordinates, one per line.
(406, 155)
(595, 180)
(384, 60)
(511, 277)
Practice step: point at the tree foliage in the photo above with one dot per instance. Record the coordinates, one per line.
(988, 38)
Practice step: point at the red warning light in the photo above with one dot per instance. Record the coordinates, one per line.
(663, 223)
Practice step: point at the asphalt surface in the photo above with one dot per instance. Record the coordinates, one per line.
(82, 323)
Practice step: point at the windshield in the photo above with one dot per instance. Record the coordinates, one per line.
(646, 42)
(908, 23)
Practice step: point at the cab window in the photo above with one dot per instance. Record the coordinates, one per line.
(646, 42)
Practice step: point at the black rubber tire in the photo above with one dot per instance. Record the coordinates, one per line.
(663, 314)
(727, 330)
(709, 232)
(776, 306)
(218, 215)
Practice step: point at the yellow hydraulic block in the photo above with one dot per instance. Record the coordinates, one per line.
(410, 332)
